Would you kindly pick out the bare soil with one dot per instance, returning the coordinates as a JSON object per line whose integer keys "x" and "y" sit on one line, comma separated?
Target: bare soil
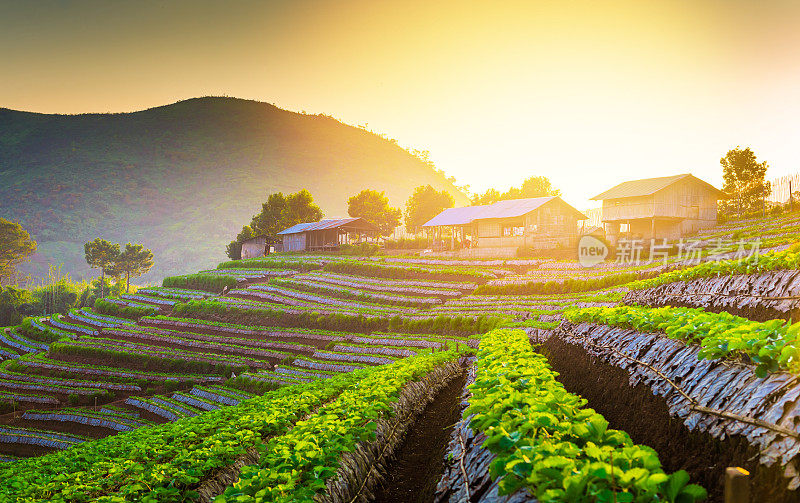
{"x": 418, "y": 464}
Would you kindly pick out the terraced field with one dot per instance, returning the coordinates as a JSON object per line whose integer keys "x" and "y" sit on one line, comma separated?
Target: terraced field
{"x": 331, "y": 378}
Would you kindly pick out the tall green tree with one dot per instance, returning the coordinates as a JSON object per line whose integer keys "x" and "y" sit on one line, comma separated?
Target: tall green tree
{"x": 134, "y": 261}
{"x": 373, "y": 206}
{"x": 535, "y": 186}
{"x": 101, "y": 254}
{"x": 744, "y": 181}
{"x": 424, "y": 204}
{"x": 277, "y": 213}
{"x": 16, "y": 245}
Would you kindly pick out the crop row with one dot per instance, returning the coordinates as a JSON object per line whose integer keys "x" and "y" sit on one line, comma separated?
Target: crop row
{"x": 131, "y": 352}
{"x": 8, "y": 396}
{"x": 85, "y": 417}
{"x": 414, "y": 287}
{"x": 207, "y": 282}
{"x": 171, "y": 458}
{"x": 325, "y": 365}
{"x": 89, "y": 313}
{"x": 299, "y": 373}
{"x": 226, "y": 340}
{"x": 547, "y": 441}
{"x": 6, "y": 374}
{"x": 172, "y": 293}
{"x": 770, "y": 261}
{"x": 297, "y": 263}
{"x": 773, "y": 345}
{"x": 154, "y": 407}
{"x": 38, "y": 363}
{"x": 297, "y": 465}
{"x": 148, "y": 299}
{"x": 352, "y": 357}
{"x": 199, "y": 342}
{"x": 237, "y": 329}
{"x": 567, "y": 285}
{"x": 347, "y": 292}
{"x": 337, "y": 320}
{"x": 36, "y": 329}
{"x": 15, "y": 340}
{"x": 250, "y": 273}
{"x": 30, "y": 436}
{"x": 288, "y": 294}
{"x": 382, "y": 270}
{"x": 195, "y": 401}
{"x": 124, "y": 309}
{"x": 47, "y": 388}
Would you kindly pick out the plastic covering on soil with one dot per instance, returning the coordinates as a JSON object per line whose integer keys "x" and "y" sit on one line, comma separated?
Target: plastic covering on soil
{"x": 760, "y": 297}
{"x": 466, "y": 471}
{"x": 714, "y": 384}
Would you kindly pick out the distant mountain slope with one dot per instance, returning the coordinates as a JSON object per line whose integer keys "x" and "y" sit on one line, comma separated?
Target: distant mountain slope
{"x": 183, "y": 178}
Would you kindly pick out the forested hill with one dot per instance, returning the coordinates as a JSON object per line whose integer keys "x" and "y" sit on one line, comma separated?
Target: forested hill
{"x": 183, "y": 178}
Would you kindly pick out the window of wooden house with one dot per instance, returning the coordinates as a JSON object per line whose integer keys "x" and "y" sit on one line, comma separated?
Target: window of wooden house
{"x": 510, "y": 230}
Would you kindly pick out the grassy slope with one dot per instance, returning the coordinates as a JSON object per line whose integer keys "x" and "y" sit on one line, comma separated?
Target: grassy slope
{"x": 183, "y": 178}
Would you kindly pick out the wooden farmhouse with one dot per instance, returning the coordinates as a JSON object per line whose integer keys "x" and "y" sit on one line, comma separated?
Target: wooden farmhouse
{"x": 500, "y": 229}
{"x": 667, "y": 207}
{"x": 324, "y": 235}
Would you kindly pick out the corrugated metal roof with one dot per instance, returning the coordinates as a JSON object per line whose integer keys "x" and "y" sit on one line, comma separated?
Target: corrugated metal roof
{"x": 330, "y": 223}
{"x": 455, "y": 216}
{"x": 646, "y": 187}
{"x": 502, "y": 209}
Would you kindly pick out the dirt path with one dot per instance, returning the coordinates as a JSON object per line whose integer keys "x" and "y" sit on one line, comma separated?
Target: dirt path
{"x": 419, "y": 462}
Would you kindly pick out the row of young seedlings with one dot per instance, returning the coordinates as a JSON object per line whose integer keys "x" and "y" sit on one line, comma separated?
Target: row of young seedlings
{"x": 86, "y": 417}
{"x": 549, "y": 443}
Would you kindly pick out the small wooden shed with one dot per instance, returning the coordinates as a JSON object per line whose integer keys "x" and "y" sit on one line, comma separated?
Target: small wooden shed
{"x": 259, "y": 246}
{"x": 667, "y": 207}
{"x": 324, "y": 235}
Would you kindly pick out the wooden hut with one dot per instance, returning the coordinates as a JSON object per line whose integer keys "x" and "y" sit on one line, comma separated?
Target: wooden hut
{"x": 259, "y": 246}
{"x": 502, "y": 228}
{"x": 325, "y": 235}
{"x": 667, "y": 207}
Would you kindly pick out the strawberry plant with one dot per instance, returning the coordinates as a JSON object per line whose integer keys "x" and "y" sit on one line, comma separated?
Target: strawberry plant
{"x": 547, "y": 441}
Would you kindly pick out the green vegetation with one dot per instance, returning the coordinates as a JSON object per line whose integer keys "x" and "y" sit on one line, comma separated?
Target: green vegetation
{"x": 277, "y": 213}
{"x": 161, "y": 172}
{"x": 101, "y": 254}
{"x": 425, "y": 203}
{"x": 773, "y": 345}
{"x": 16, "y": 246}
{"x": 745, "y": 185}
{"x": 297, "y": 465}
{"x": 134, "y": 261}
{"x": 547, "y": 441}
{"x": 266, "y": 316}
{"x": 535, "y": 186}
{"x": 213, "y": 283}
{"x": 373, "y": 206}
{"x": 380, "y": 270}
{"x": 567, "y": 285}
{"x": 770, "y": 261}
{"x": 103, "y": 306}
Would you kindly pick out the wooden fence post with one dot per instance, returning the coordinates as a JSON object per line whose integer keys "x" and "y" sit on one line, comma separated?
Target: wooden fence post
{"x": 737, "y": 485}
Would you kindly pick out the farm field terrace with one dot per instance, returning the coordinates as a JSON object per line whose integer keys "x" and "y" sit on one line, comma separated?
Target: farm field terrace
{"x": 318, "y": 377}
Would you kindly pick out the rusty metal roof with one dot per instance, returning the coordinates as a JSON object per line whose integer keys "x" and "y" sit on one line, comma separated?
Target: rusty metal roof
{"x": 510, "y": 208}
{"x": 330, "y": 223}
{"x": 647, "y": 186}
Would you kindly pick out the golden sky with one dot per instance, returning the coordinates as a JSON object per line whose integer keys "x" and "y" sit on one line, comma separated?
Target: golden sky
{"x": 587, "y": 93}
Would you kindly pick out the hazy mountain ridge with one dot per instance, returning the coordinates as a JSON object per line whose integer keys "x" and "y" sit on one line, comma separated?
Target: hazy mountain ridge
{"x": 183, "y": 178}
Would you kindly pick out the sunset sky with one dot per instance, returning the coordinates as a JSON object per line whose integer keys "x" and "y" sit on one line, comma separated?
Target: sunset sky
{"x": 586, "y": 93}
